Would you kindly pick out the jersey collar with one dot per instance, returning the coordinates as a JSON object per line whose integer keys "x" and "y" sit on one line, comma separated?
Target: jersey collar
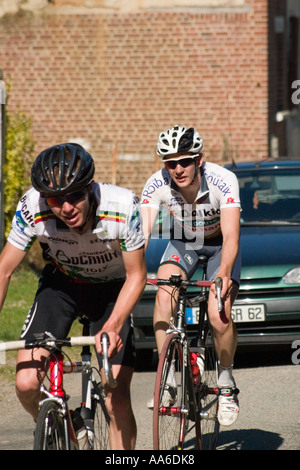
{"x": 203, "y": 192}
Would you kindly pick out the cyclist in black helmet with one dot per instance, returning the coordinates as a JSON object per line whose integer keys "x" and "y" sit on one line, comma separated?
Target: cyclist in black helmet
{"x": 93, "y": 246}
{"x": 203, "y": 200}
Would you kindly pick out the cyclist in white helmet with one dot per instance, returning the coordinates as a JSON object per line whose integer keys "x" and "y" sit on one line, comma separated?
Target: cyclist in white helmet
{"x": 203, "y": 199}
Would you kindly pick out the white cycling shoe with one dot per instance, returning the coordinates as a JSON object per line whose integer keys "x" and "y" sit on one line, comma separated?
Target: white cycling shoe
{"x": 228, "y": 406}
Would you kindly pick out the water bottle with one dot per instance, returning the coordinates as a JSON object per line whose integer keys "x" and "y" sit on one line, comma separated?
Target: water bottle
{"x": 82, "y": 439}
{"x": 195, "y": 368}
{"x": 87, "y": 415}
{"x": 199, "y": 349}
{"x": 201, "y": 359}
{"x": 80, "y": 430}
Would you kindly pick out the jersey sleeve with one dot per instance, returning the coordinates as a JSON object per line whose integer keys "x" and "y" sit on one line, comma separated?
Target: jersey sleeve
{"x": 22, "y": 233}
{"x": 230, "y": 195}
{"x": 153, "y": 192}
{"x": 132, "y": 237}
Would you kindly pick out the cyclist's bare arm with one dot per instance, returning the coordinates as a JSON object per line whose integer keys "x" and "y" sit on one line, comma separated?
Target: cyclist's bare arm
{"x": 230, "y": 228}
{"x": 149, "y": 215}
{"x": 10, "y": 258}
{"x": 136, "y": 277}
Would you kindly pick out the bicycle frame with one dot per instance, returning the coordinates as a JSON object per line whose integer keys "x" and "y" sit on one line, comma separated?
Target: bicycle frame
{"x": 56, "y": 393}
{"x": 201, "y": 343}
{"x": 201, "y": 337}
{"x": 58, "y": 367}
{"x": 179, "y": 327}
{"x": 192, "y": 394}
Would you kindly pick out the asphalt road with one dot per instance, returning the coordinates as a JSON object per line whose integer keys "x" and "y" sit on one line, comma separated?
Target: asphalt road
{"x": 269, "y": 417}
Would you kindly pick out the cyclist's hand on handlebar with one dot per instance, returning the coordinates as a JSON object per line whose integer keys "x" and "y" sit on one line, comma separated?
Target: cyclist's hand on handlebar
{"x": 226, "y": 287}
{"x": 115, "y": 343}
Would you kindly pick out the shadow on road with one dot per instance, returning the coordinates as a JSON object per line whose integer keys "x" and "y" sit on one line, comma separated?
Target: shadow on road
{"x": 249, "y": 439}
{"x": 244, "y": 439}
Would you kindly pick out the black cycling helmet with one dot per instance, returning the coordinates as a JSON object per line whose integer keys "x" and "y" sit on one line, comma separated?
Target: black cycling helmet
{"x": 62, "y": 169}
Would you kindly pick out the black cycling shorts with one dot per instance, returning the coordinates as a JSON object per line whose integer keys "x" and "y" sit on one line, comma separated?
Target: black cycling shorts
{"x": 188, "y": 259}
{"x": 59, "y": 301}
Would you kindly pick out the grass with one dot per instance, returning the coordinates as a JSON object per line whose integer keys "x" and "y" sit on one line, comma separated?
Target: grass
{"x": 19, "y": 298}
{"x": 20, "y": 295}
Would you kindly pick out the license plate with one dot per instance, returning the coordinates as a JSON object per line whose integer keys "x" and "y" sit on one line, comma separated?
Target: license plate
{"x": 240, "y": 314}
{"x": 191, "y": 315}
{"x": 248, "y": 313}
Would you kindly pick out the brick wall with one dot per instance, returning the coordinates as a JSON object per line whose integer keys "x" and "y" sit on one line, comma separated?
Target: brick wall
{"x": 278, "y": 79}
{"x": 116, "y": 80}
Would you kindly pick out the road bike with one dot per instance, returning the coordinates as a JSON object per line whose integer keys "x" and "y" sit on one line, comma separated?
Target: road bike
{"x": 183, "y": 401}
{"x": 57, "y": 426}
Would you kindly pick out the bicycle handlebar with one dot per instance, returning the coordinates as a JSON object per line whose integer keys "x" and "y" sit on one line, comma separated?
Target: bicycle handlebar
{"x": 107, "y": 366}
{"x": 218, "y": 283}
{"x": 176, "y": 281}
{"x": 48, "y": 342}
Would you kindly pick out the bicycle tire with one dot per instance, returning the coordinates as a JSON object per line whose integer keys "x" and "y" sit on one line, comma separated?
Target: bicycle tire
{"x": 170, "y": 423}
{"x": 101, "y": 419}
{"x": 208, "y": 398}
{"x": 49, "y": 432}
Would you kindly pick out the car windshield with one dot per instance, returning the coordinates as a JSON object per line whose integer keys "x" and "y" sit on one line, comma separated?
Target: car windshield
{"x": 270, "y": 196}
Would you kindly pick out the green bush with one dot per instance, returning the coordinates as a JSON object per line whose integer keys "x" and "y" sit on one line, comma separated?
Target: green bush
{"x": 18, "y": 161}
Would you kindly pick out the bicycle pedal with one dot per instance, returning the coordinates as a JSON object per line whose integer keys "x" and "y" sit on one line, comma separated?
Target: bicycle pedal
{"x": 172, "y": 391}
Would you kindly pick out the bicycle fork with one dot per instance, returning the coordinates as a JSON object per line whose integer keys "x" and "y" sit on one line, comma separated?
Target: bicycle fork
{"x": 56, "y": 393}
{"x": 86, "y": 410}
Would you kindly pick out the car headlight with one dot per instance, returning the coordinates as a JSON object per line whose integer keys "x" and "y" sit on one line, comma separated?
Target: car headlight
{"x": 292, "y": 276}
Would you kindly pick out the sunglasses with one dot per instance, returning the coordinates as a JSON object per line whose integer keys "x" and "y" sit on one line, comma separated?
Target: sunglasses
{"x": 72, "y": 198}
{"x": 184, "y": 162}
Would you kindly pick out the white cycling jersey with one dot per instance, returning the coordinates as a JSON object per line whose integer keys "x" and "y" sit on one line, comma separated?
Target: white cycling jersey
{"x": 95, "y": 256}
{"x": 219, "y": 190}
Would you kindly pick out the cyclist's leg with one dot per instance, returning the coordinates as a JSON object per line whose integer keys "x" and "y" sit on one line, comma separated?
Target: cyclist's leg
{"x": 118, "y": 404}
{"x": 30, "y": 370}
{"x": 55, "y": 316}
{"x": 118, "y": 400}
{"x": 225, "y": 340}
{"x": 174, "y": 261}
{"x": 225, "y": 334}
{"x": 165, "y": 303}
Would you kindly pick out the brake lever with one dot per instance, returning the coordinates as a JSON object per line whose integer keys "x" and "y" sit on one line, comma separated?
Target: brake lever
{"x": 218, "y": 282}
{"x": 107, "y": 366}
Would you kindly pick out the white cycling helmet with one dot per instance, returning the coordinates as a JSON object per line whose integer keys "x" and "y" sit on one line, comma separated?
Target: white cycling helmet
{"x": 179, "y": 141}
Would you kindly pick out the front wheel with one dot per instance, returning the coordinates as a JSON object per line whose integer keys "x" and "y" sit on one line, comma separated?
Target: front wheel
{"x": 49, "y": 431}
{"x": 208, "y": 398}
{"x": 171, "y": 400}
{"x": 101, "y": 419}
